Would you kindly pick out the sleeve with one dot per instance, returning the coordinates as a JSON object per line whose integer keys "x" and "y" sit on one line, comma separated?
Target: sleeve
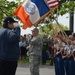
{"x": 17, "y": 30}
{"x": 14, "y": 35}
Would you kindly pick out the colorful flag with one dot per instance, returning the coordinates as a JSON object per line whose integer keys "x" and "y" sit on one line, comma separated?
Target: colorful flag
{"x": 31, "y": 11}
{"x": 52, "y": 3}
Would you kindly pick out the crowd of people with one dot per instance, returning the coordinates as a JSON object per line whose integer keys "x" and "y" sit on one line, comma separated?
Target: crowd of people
{"x": 46, "y": 49}
{"x": 64, "y": 54}
{"x": 60, "y": 50}
{"x": 37, "y": 48}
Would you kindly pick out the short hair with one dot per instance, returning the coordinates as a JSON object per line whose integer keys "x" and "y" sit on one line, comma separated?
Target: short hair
{"x": 59, "y": 33}
{"x": 73, "y": 34}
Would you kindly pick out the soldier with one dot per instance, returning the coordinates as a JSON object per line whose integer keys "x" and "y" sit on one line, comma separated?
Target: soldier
{"x": 22, "y": 45}
{"x": 35, "y": 52}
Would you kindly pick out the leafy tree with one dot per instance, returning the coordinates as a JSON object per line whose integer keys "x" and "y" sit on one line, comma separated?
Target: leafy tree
{"x": 7, "y": 8}
{"x": 67, "y": 7}
{"x": 51, "y": 29}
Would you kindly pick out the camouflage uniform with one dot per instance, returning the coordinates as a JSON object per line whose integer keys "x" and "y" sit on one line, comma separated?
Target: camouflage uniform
{"x": 35, "y": 54}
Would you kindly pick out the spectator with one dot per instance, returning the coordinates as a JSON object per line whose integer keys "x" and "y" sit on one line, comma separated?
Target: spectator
{"x": 44, "y": 49}
{"x": 22, "y": 45}
{"x": 51, "y": 51}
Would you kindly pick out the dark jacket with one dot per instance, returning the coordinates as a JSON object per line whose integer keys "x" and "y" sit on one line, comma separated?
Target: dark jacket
{"x": 9, "y": 44}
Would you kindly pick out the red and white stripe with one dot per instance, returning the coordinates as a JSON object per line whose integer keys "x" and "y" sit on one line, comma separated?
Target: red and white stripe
{"x": 52, "y": 3}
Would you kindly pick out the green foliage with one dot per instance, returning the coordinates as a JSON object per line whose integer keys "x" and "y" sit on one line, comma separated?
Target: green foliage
{"x": 26, "y": 61}
{"x": 51, "y": 29}
{"x": 67, "y": 7}
{"x": 7, "y": 8}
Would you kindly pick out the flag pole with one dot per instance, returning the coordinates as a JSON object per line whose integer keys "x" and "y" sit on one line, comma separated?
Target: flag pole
{"x": 44, "y": 16}
{"x": 23, "y": 2}
{"x": 57, "y": 13}
{"x": 57, "y": 22}
{"x": 54, "y": 31}
{"x": 65, "y": 35}
{"x": 63, "y": 32}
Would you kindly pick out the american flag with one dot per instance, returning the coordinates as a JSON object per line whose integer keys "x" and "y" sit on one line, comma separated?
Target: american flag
{"x": 52, "y": 3}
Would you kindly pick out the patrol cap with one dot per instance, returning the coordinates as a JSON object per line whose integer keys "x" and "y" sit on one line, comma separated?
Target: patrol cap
{"x": 35, "y": 29}
{"x": 9, "y": 19}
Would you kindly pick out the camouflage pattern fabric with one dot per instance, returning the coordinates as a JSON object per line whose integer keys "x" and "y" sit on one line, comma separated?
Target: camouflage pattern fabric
{"x": 35, "y": 51}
